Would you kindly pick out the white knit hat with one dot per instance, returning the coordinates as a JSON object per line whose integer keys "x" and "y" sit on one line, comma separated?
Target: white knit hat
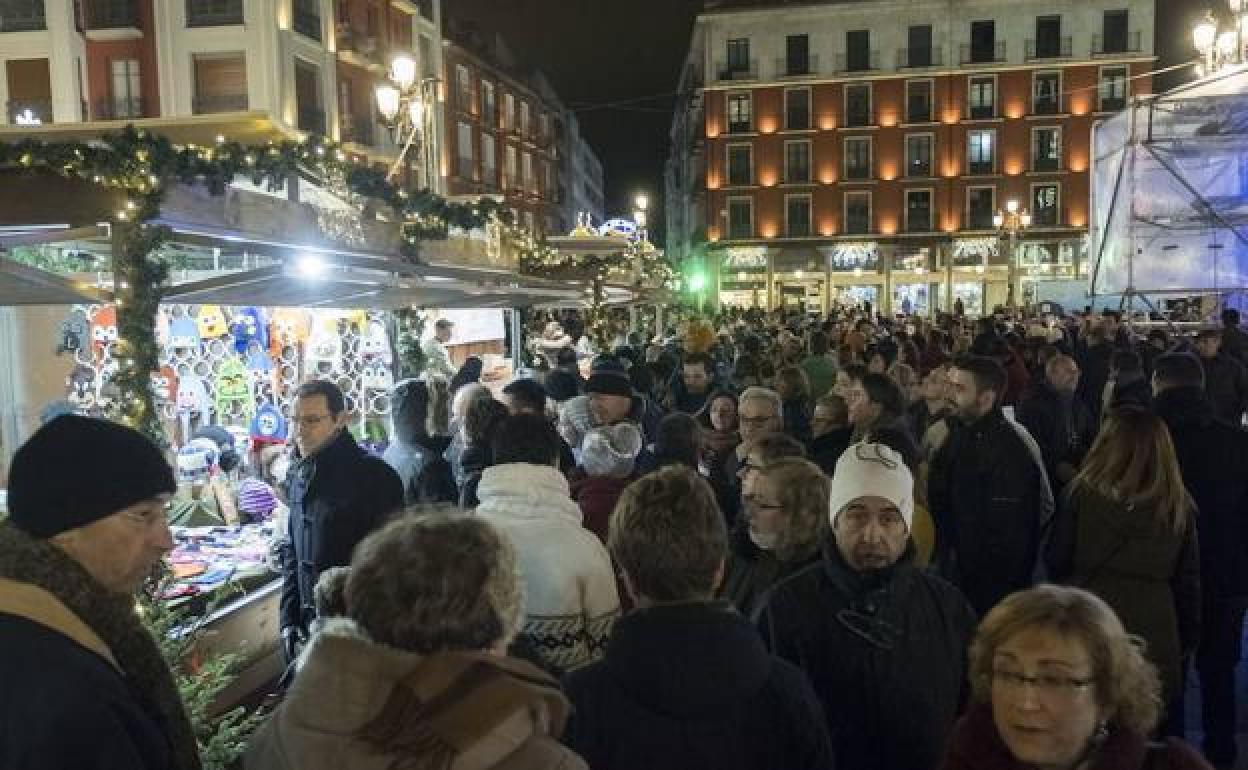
{"x": 611, "y": 450}
{"x": 872, "y": 470}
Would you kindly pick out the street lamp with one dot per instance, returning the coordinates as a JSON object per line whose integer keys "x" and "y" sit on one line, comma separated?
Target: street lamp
{"x": 1010, "y": 223}
{"x": 1221, "y": 47}
{"x": 404, "y": 102}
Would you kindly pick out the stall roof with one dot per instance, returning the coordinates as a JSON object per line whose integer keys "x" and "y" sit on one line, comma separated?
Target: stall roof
{"x": 22, "y": 284}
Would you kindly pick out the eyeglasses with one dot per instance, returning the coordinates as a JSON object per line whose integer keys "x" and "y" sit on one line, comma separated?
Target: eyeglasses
{"x": 311, "y": 420}
{"x": 1052, "y": 686}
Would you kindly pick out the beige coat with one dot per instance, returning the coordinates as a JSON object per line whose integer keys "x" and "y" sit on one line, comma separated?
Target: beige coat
{"x": 347, "y": 683}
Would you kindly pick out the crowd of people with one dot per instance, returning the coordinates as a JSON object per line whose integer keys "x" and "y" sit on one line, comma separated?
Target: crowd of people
{"x": 763, "y": 540}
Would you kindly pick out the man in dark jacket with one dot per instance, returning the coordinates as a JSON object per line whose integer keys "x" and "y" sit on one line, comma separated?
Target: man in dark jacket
{"x": 416, "y": 456}
{"x": 337, "y": 494}
{"x": 686, "y": 681}
{"x": 883, "y": 642}
{"x": 830, "y": 431}
{"x": 1059, "y": 422}
{"x": 1094, "y": 360}
{"x": 1128, "y": 384}
{"x": 1226, "y": 380}
{"x": 988, "y": 493}
{"x": 1213, "y": 457}
{"x": 82, "y": 682}
{"x": 693, "y": 383}
{"x": 612, "y": 400}
{"x": 1234, "y": 341}
{"x": 528, "y": 396}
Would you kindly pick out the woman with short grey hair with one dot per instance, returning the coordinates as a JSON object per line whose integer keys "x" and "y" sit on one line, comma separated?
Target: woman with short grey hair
{"x": 416, "y": 675}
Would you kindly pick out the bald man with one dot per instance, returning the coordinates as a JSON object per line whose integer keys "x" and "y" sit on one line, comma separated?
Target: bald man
{"x": 1061, "y": 423}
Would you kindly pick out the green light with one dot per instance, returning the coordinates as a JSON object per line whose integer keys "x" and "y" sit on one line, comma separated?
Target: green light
{"x": 697, "y": 282}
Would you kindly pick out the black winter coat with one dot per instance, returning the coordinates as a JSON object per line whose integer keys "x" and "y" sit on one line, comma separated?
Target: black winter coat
{"x": 752, "y": 571}
{"x": 691, "y": 686}
{"x": 336, "y": 497}
{"x": 984, "y": 492}
{"x": 885, "y": 651}
{"x": 828, "y": 448}
{"x": 1065, "y": 432}
{"x": 1094, "y": 363}
{"x": 1136, "y": 394}
{"x": 1213, "y": 456}
{"x": 1226, "y": 383}
{"x": 66, "y": 708}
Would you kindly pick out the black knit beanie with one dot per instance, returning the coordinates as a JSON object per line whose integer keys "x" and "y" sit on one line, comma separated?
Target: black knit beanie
{"x": 76, "y": 470}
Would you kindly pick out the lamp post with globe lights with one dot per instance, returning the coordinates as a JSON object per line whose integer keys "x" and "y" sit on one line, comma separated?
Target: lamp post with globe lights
{"x": 1010, "y": 223}
{"x": 406, "y": 104}
{"x": 1220, "y": 46}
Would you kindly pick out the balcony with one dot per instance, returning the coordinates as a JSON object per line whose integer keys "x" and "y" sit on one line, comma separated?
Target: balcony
{"x": 354, "y": 129}
{"x": 214, "y": 13}
{"x": 1050, "y": 48}
{"x": 982, "y": 54}
{"x": 1113, "y": 103}
{"x": 1108, "y": 45}
{"x": 362, "y": 51}
{"x": 214, "y": 103}
{"x": 121, "y": 108}
{"x": 22, "y": 16}
{"x": 866, "y": 61}
{"x": 1045, "y": 163}
{"x": 796, "y": 68}
{"x": 1048, "y": 105}
{"x": 914, "y": 58}
{"x": 307, "y": 23}
{"x": 115, "y": 14}
{"x": 312, "y": 120}
{"x": 28, "y": 111}
{"x": 738, "y": 71}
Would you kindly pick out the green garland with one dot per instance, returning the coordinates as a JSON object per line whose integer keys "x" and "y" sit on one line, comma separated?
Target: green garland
{"x": 411, "y": 354}
{"x": 143, "y": 165}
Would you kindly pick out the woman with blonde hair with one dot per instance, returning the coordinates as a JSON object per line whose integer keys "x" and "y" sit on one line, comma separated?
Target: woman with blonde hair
{"x": 787, "y": 524}
{"x": 1058, "y": 683}
{"x": 1125, "y": 531}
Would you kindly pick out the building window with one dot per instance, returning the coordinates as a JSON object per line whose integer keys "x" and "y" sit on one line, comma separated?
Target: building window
{"x": 797, "y": 216}
{"x": 983, "y": 49}
{"x": 466, "y": 168}
{"x": 740, "y": 164}
{"x": 510, "y": 168}
{"x": 310, "y": 114}
{"x": 919, "y": 101}
{"x": 1046, "y": 149}
{"x": 1114, "y": 31}
{"x": 918, "y": 211}
{"x": 1046, "y": 93}
{"x": 527, "y": 179}
{"x": 220, "y": 83}
{"x": 919, "y": 155}
{"x": 428, "y": 65}
{"x": 526, "y": 122}
{"x": 1113, "y": 89}
{"x": 22, "y": 16}
{"x": 797, "y": 162}
{"x": 858, "y": 157}
{"x": 919, "y": 52}
{"x": 307, "y": 18}
{"x": 858, "y": 50}
{"x": 857, "y": 213}
{"x": 489, "y": 160}
{"x": 983, "y": 97}
{"x": 981, "y": 152}
{"x": 489, "y": 107}
{"x": 509, "y": 112}
{"x": 543, "y": 127}
{"x": 463, "y": 83}
{"x": 858, "y": 105}
{"x": 212, "y": 13}
{"x": 797, "y": 55}
{"x": 1045, "y": 199}
{"x": 740, "y": 113}
{"x": 797, "y": 109}
{"x": 740, "y": 218}
{"x": 1048, "y": 43}
{"x": 127, "y": 90}
{"x": 738, "y": 56}
{"x": 981, "y": 204}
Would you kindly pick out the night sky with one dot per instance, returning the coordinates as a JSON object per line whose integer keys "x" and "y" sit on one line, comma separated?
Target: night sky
{"x": 597, "y": 52}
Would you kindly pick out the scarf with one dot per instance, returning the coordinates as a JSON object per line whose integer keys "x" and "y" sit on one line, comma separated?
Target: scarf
{"x": 36, "y": 562}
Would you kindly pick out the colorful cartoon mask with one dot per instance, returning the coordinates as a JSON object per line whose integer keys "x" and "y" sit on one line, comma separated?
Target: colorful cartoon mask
{"x": 74, "y": 332}
{"x": 375, "y": 341}
{"x": 234, "y": 387}
{"x": 165, "y": 385}
{"x": 376, "y": 376}
{"x": 268, "y": 426}
{"x": 196, "y": 460}
{"x": 211, "y": 322}
{"x": 183, "y": 333}
{"x": 193, "y": 396}
{"x": 288, "y": 327}
{"x": 324, "y": 352}
{"x": 80, "y": 387}
{"x": 248, "y": 327}
{"x": 104, "y": 328}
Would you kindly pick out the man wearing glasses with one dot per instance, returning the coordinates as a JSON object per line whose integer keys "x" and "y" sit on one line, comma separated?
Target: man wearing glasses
{"x": 883, "y": 642}
{"x": 337, "y": 494}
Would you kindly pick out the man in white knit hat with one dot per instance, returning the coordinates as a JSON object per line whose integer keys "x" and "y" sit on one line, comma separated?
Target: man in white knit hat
{"x": 883, "y": 642}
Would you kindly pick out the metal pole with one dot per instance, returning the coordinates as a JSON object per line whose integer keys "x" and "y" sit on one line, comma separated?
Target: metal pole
{"x": 517, "y": 341}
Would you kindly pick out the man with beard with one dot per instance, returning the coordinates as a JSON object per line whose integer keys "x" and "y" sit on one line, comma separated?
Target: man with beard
{"x": 883, "y": 642}
{"x": 1058, "y": 420}
{"x": 696, "y": 382}
{"x": 988, "y": 491}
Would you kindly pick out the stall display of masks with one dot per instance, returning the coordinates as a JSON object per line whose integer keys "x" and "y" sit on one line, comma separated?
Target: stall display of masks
{"x": 225, "y": 365}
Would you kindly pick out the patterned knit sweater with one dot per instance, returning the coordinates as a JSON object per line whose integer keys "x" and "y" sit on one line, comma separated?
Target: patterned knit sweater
{"x": 570, "y": 592}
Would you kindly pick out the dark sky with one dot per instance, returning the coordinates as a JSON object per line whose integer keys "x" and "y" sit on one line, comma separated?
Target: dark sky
{"x": 602, "y": 51}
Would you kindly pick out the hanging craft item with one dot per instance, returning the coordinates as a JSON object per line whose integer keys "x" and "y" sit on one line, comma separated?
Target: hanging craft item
{"x": 375, "y": 375}
{"x": 234, "y": 388}
{"x": 80, "y": 388}
{"x": 268, "y": 427}
{"x": 246, "y": 327}
{"x": 183, "y": 333}
{"x": 196, "y": 461}
{"x": 165, "y": 386}
{"x": 376, "y": 342}
{"x": 74, "y": 332}
{"x": 324, "y": 352}
{"x": 104, "y": 329}
{"x": 288, "y": 328}
{"x": 192, "y": 401}
{"x": 211, "y": 322}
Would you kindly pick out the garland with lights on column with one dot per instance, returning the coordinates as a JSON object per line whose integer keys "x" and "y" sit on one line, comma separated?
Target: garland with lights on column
{"x": 411, "y": 355}
{"x": 140, "y": 165}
